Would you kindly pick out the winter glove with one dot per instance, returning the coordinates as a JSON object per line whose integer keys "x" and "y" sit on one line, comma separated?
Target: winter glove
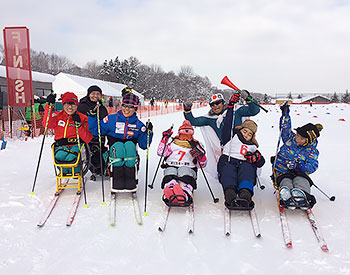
{"x": 76, "y": 119}
{"x": 284, "y": 108}
{"x": 197, "y": 153}
{"x": 92, "y": 112}
{"x": 292, "y": 165}
{"x": 187, "y": 106}
{"x": 51, "y": 98}
{"x": 253, "y": 157}
{"x": 149, "y": 127}
{"x": 233, "y": 100}
{"x": 166, "y": 134}
{"x": 245, "y": 95}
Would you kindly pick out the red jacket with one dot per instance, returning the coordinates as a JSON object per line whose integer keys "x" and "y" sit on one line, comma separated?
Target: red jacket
{"x": 64, "y": 126}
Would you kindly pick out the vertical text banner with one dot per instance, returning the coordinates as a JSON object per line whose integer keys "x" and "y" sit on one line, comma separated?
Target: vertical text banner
{"x": 18, "y": 68}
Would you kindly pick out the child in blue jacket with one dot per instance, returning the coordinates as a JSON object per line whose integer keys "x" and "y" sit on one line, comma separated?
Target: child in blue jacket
{"x": 296, "y": 159}
{"x": 124, "y": 131}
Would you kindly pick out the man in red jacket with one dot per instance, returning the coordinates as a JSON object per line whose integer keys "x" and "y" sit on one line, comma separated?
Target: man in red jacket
{"x": 69, "y": 125}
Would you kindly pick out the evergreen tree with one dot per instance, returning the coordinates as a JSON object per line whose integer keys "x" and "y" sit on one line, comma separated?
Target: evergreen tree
{"x": 346, "y": 97}
{"x": 335, "y": 98}
{"x": 266, "y": 99}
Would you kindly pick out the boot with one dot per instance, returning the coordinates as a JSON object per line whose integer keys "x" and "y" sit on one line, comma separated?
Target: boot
{"x": 286, "y": 199}
{"x": 299, "y": 197}
{"x": 230, "y": 197}
{"x": 179, "y": 192}
{"x": 245, "y": 195}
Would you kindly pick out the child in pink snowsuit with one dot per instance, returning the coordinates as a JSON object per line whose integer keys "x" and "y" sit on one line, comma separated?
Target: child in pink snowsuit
{"x": 182, "y": 157}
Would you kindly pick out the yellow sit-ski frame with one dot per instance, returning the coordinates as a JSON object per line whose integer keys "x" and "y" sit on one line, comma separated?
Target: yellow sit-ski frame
{"x": 74, "y": 175}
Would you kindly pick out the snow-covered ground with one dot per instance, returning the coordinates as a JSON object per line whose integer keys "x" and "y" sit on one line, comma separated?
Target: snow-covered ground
{"x": 92, "y": 246}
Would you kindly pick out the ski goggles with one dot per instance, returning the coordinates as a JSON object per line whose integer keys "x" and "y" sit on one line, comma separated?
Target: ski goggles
{"x": 216, "y": 103}
{"x": 128, "y": 106}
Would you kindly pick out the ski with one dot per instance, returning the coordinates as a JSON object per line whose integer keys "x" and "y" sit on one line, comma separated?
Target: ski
{"x": 49, "y": 209}
{"x": 164, "y": 218}
{"x": 316, "y": 230}
{"x": 137, "y": 210}
{"x": 227, "y": 222}
{"x": 74, "y": 209}
{"x": 255, "y": 223}
{"x": 113, "y": 209}
{"x": 253, "y": 219}
{"x": 190, "y": 214}
{"x": 190, "y": 218}
{"x": 284, "y": 225}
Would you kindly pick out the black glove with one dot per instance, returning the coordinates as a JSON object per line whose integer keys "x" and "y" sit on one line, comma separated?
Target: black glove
{"x": 187, "y": 106}
{"x": 196, "y": 153}
{"x": 51, "y": 98}
{"x": 76, "y": 119}
{"x": 245, "y": 94}
{"x": 253, "y": 157}
{"x": 233, "y": 100}
{"x": 284, "y": 107}
{"x": 149, "y": 126}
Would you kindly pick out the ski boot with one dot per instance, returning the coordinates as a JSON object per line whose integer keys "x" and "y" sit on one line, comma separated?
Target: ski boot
{"x": 230, "y": 198}
{"x": 300, "y": 199}
{"x": 286, "y": 199}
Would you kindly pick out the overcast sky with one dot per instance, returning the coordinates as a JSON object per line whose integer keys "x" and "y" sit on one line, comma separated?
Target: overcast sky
{"x": 264, "y": 46}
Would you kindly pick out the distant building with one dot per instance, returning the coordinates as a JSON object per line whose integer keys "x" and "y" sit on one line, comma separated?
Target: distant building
{"x": 316, "y": 99}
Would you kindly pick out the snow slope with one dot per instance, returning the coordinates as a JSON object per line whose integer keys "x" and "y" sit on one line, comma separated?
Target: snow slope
{"x": 91, "y": 246}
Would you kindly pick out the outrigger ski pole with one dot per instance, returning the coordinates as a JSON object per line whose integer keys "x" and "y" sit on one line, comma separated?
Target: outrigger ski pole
{"x": 41, "y": 149}
{"x": 100, "y": 144}
{"x": 146, "y": 180}
{"x": 206, "y": 180}
{"x": 81, "y": 166}
{"x": 160, "y": 160}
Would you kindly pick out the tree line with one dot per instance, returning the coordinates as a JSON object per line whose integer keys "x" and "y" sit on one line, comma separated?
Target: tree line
{"x": 150, "y": 80}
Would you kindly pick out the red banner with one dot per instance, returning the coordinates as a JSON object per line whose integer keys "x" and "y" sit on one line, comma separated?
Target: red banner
{"x": 18, "y": 68}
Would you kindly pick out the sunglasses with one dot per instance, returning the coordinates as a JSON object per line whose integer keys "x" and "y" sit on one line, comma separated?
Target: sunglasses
{"x": 215, "y": 103}
{"x": 128, "y": 106}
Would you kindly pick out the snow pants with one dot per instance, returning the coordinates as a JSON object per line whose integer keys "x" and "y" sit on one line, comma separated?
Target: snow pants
{"x": 184, "y": 174}
{"x": 297, "y": 182}
{"x": 95, "y": 166}
{"x": 67, "y": 154}
{"x": 236, "y": 174}
{"x": 123, "y": 159}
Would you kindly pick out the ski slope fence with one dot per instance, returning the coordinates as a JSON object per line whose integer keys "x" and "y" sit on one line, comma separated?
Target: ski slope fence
{"x": 13, "y": 122}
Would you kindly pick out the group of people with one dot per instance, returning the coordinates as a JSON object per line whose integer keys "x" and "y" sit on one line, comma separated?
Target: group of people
{"x": 231, "y": 147}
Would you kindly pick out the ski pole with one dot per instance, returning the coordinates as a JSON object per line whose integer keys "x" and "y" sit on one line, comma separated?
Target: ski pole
{"x": 81, "y": 165}
{"x": 146, "y": 180}
{"x": 41, "y": 149}
{"x": 160, "y": 160}
{"x": 100, "y": 144}
{"x": 261, "y": 186}
{"x": 205, "y": 177}
{"x": 319, "y": 189}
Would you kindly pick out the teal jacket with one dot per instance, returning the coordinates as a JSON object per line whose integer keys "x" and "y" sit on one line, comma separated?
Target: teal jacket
{"x": 216, "y": 121}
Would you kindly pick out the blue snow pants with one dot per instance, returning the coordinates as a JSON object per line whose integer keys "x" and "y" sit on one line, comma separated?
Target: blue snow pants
{"x": 236, "y": 173}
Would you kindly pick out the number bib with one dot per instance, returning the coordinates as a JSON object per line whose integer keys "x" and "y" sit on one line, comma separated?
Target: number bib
{"x": 238, "y": 148}
{"x": 180, "y": 156}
